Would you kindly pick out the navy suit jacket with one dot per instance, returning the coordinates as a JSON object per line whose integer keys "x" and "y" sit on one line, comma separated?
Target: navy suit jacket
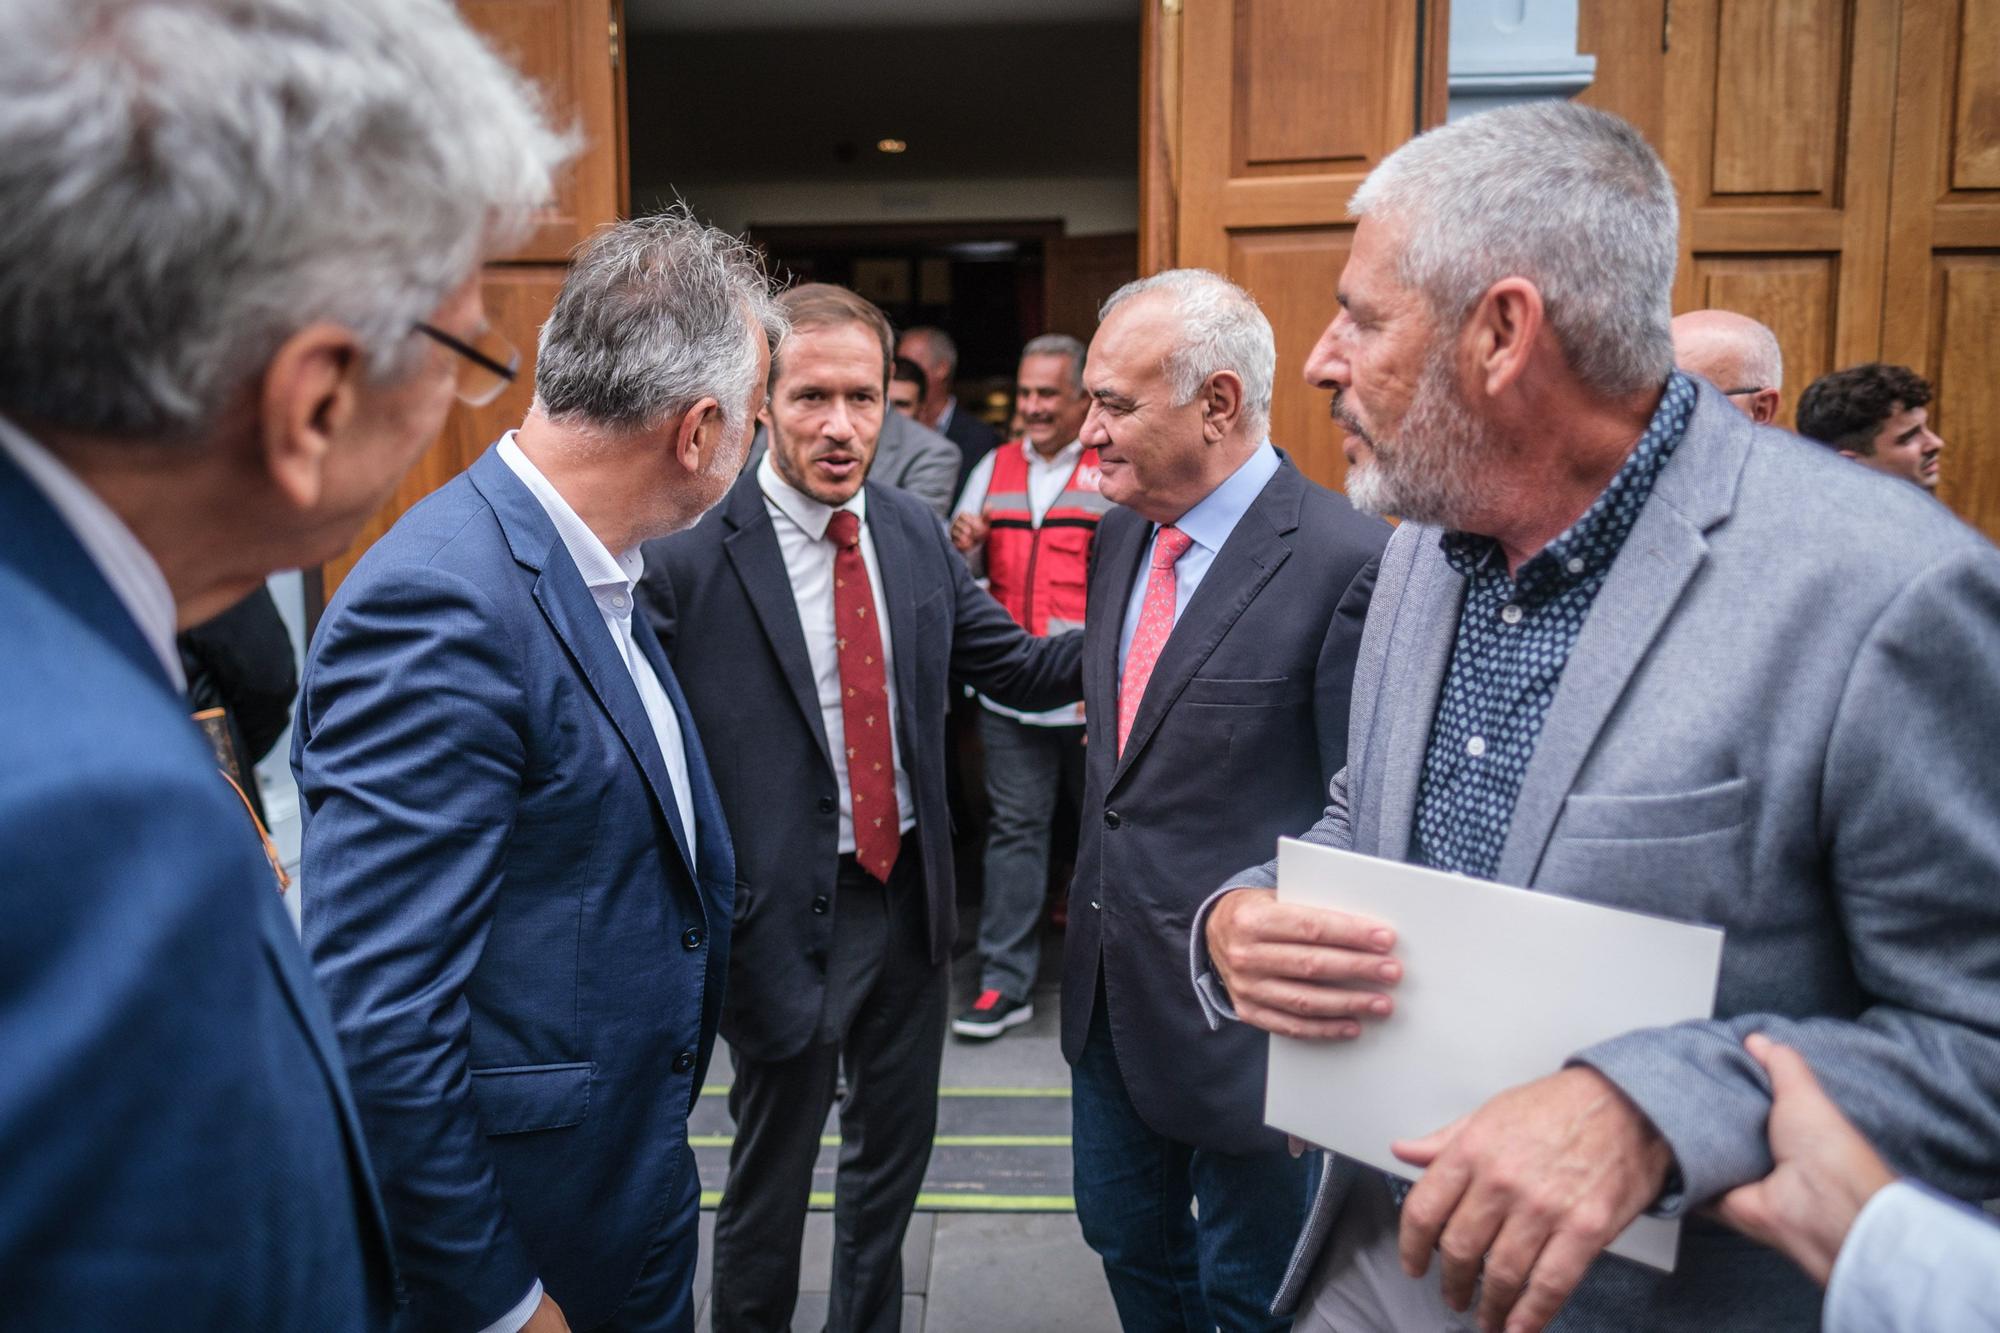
{"x": 1243, "y": 722}
{"x": 524, "y": 968}
{"x": 722, "y": 601}
{"x": 177, "y": 1144}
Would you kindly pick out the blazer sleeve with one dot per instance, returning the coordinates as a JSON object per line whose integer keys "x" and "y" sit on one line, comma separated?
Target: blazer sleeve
{"x": 994, "y": 655}
{"x": 932, "y": 476}
{"x": 410, "y": 759}
{"x": 1911, "y": 853}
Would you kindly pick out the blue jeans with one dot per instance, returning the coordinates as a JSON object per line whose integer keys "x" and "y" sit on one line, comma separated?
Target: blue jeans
{"x": 1172, "y": 1271}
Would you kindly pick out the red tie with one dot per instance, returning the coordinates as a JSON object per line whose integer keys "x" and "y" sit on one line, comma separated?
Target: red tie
{"x": 1156, "y": 622}
{"x": 864, "y": 703}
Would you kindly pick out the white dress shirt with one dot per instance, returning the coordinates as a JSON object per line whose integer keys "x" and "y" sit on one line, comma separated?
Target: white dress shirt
{"x": 1047, "y": 477}
{"x": 611, "y": 580}
{"x": 125, "y": 564}
{"x": 1914, "y": 1262}
{"x": 800, "y": 522}
{"x": 1208, "y": 526}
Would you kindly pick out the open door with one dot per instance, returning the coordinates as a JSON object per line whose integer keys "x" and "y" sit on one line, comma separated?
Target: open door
{"x": 1259, "y": 120}
{"x": 571, "y": 48}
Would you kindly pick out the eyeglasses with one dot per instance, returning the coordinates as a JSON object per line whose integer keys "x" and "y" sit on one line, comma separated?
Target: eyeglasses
{"x": 1733, "y": 393}
{"x": 487, "y": 364}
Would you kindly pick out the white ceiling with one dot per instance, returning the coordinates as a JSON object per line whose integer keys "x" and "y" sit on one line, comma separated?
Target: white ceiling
{"x": 737, "y": 15}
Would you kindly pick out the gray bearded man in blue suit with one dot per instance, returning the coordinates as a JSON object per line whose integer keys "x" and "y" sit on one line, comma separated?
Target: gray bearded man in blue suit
{"x": 219, "y": 352}
{"x": 517, "y": 875}
{"x": 1632, "y": 648}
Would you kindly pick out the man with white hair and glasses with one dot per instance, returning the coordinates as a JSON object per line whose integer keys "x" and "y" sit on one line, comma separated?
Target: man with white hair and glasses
{"x": 1737, "y": 355}
{"x": 518, "y": 875}
{"x": 1632, "y": 648}
{"x": 225, "y": 232}
{"x": 1226, "y": 599}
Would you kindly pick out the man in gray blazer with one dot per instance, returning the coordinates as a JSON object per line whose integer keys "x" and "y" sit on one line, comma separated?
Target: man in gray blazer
{"x": 1629, "y": 647}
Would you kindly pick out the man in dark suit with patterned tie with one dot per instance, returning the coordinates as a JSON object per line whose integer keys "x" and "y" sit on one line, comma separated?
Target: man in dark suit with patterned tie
{"x": 1226, "y": 603}
{"x": 816, "y": 624}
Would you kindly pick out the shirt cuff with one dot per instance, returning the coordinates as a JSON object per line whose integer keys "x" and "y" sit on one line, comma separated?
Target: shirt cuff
{"x": 1208, "y": 988}
{"x": 512, "y": 1321}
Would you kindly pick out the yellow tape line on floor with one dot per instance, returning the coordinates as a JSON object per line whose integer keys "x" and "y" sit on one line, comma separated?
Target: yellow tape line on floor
{"x": 722, "y": 1090}
{"x": 994, "y": 1203}
{"x": 941, "y": 1141}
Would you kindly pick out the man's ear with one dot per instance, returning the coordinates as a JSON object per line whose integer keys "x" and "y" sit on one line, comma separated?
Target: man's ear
{"x": 1502, "y": 331}
{"x": 1221, "y": 404}
{"x": 1764, "y": 406}
{"x": 699, "y": 434}
{"x": 1849, "y": 453}
{"x": 310, "y": 394}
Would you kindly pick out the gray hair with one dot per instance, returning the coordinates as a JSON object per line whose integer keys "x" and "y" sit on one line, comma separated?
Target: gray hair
{"x": 937, "y": 344}
{"x": 1060, "y": 344}
{"x": 651, "y": 321}
{"x": 1570, "y": 198}
{"x": 184, "y": 184}
{"x": 1222, "y": 328}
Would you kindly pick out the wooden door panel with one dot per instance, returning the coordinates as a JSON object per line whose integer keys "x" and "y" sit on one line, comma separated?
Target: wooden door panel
{"x": 1975, "y": 155}
{"x": 1966, "y": 408}
{"x": 1796, "y": 296}
{"x": 1279, "y": 109}
{"x": 518, "y": 300}
{"x": 566, "y": 47}
{"x": 1305, "y": 267}
{"x": 1778, "y": 86}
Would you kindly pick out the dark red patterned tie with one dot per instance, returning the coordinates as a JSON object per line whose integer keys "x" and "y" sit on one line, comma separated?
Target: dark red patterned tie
{"x": 864, "y": 703}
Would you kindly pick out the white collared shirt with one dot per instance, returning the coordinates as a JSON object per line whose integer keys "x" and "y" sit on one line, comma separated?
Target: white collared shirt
{"x": 126, "y": 565}
{"x": 611, "y": 580}
{"x": 800, "y": 522}
{"x": 1047, "y": 478}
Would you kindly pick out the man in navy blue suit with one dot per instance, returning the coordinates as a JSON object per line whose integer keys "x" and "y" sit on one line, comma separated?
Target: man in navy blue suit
{"x": 218, "y": 353}
{"x": 517, "y": 876}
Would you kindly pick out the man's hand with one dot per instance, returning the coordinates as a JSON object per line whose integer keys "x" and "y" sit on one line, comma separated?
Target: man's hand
{"x": 1535, "y": 1184}
{"x": 968, "y": 531}
{"x": 1825, "y": 1169}
{"x": 1300, "y": 971}
{"x": 547, "y": 1318}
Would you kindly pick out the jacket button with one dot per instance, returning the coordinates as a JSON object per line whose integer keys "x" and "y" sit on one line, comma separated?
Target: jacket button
{"x": 684, "y": 1062}
{"x": 826, "y": 805}
{"x": 692, "y": 940}
{"x": 820, "y": 905}
{"x": 1111, "y": 819}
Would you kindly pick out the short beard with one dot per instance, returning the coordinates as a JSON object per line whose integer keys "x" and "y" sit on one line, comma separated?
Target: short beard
{"x": 1433, "y": 468}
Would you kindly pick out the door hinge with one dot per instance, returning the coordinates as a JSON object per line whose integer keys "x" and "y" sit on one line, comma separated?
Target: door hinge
{"x": 614, "y": 43}
{"x": 1171, "y": 8}
{"x": 1667, "y": 26}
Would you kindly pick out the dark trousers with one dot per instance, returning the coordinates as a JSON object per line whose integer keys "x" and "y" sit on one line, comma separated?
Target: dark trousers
{"x": 662, "y": 1300}
{"x": 883, "y": 1022}
{"x": 1170, "y": 1270}
{"x": 1027, "y": 768}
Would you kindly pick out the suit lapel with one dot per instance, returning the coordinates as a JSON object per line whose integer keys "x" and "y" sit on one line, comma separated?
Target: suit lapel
{"x": 572, "y": 613}
{"x": 1660, "y": 558}
{"x": 715, "y": 854}
{"x": 893, "y": 555}
{"x": 1246, "y": 562}
{"x": 753, "y": 553}
{"x": 1421, "y": 642}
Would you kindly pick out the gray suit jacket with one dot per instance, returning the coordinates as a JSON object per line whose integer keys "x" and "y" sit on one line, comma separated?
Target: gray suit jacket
{"x": 1779, "y": 718}
{"x": 909, "y": 456}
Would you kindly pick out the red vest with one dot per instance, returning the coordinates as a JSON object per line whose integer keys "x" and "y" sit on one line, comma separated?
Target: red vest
{"x": 1038, "y": 571}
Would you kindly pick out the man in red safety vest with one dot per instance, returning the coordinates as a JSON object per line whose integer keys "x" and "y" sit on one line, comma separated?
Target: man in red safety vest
{"x": 1029, "y": 510}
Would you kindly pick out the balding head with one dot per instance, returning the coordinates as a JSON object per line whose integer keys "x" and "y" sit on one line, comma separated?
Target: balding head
{"x": 1734, "y": 353}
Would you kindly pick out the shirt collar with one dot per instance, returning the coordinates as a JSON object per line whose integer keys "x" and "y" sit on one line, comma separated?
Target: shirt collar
{"x": 123, "y": 560}
{"x": 1211, "y": 521}
{"x": 1588, "y": 546}
{"x": 593, "y": 560}
{"x": 1065, "y": 456}
{"x": 811, "y": 515}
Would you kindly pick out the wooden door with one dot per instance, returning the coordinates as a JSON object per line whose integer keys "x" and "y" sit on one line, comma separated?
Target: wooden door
{"x": 571, "y": 49}
{"x": 1262, "y": 116}
{"x": 1942, "y": 312}
{"x": 1778, "y": 126}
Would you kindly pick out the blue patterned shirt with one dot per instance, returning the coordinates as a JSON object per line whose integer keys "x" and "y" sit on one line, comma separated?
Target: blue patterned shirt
{"x": 1514, "y": 638}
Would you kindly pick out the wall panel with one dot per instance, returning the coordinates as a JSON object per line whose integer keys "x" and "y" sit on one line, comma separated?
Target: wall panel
{"x": 1304, "y": 265}
{"x": 1966, "y": 409}
{"x": 1778, "y": 92}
